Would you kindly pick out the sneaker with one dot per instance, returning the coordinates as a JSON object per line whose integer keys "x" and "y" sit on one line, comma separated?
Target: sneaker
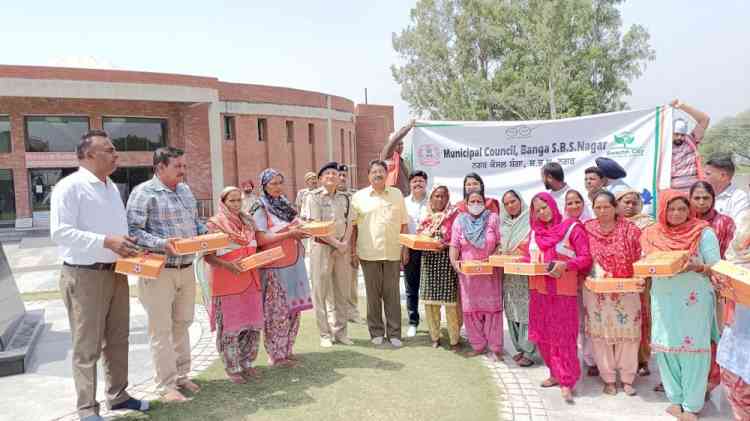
{"x": 345, "y": 340}
{"x": 325, "y": 343}
{"x": 395, "y": 342}
{"x": 132, "y": 404}
{"x": 411, "y": 331}
{"x": 378, "y": 340}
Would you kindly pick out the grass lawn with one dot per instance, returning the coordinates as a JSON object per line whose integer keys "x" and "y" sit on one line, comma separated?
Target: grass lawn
{"x": 359, "y": 382}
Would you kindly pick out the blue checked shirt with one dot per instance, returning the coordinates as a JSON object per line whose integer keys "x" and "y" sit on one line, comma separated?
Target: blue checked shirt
{"x": 156, "y": 213}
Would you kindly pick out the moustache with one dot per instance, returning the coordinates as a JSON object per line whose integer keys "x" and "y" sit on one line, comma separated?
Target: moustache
{"x": 377, "y": 177}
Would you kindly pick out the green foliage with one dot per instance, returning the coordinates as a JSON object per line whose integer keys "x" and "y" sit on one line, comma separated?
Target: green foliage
{"x": 731, "y": 134}
{"x": 517, "y": 60}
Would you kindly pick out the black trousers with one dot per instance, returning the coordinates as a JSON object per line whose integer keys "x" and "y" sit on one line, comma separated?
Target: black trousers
{"x": 412, "y": 273}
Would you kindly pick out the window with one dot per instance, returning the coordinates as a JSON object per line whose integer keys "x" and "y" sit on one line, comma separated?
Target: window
{"x": 7, "y": 198}
{"x": 289, "y": 131}
{"x": 127, "y": 178}
{"x": 262, "y": 130}
{"x": 228, "y": 127}
{"x": 4, "y": 135}
{"x": 42, "y": 181}
{"x": 54, "y": 134}
{"x": 311, "y": 133}
{"x": 135, "y": 133}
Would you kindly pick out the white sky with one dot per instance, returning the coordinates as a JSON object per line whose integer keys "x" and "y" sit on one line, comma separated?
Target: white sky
{"x": 702, "y": 48}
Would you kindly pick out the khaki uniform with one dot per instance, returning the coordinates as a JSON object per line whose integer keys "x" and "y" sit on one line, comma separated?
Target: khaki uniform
{"x": 330, "y": 269}
{"x": 353, "y": 298}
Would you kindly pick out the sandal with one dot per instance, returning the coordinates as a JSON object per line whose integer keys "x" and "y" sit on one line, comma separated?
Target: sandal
{"x": 252, "y": 373}
{"x": 593, "y": 371}
{"x": 518, "y": 357}
{"x": 436, "y": 344}
{"x": 659, "y": 388}
{"x": 567, "y": 394}
{"x": 628, "y": 389}
{"x": 236, "y": 378}
{"x": 550, "y": 382}
{"x": 456, "y": 348}
{"x": 610, "y": 389}
{"x": 674, "y": 410}
{"x": 525, "y": 362}
{"x": 644, "y": 371}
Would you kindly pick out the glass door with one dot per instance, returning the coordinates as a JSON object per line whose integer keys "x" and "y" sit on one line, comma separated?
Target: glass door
{"x": 7, "y": 198}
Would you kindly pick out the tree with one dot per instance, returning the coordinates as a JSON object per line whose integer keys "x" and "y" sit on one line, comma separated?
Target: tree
{"x": 731, "y": 134}
{"x": 517, "y": 60}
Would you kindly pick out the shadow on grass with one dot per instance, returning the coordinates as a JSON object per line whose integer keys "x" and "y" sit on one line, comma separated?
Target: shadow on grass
{"x": 279, "y": 388}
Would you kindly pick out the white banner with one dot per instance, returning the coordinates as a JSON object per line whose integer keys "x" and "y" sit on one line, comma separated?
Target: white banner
{"x": 510, "y": 154}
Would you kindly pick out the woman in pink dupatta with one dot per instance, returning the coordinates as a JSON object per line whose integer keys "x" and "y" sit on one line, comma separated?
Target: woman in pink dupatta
{"x": 553, "y": 317}
{"x": 702, "y": 199}
{"x": 475, "y": 237}
{"x": 236, "y": 306}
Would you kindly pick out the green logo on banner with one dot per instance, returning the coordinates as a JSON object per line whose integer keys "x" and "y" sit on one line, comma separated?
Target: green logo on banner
{"x": 624, "y": 139}
{"x": 623, "y": 146}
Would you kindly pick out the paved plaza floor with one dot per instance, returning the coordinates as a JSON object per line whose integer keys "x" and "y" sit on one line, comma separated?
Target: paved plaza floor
{"x": 46, "y": 392}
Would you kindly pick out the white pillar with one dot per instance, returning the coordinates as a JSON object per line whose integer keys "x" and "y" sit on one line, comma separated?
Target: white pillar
{"x": 217, "y": 153}
{"x": 329, "y": 129}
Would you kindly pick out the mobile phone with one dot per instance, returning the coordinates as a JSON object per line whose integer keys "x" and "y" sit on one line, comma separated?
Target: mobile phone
{"x": 550, "y": 266}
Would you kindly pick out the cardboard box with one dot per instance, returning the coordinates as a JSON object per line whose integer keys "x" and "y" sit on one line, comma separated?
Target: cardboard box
{"x": 147, "y": 265}
{"x": 612, "y": 285}
{"x": 206, "y": 242}
{"x": 660, "y": 263}
{"x": 262, "y": 258}
{"x": 318, "y": 228}
{"x": 475, "y": 267}
{"x": 528, "y": 269}
{"x": 419, "y": 242}
{"x": 500, "y": 260}
{"x": 740, "y": 281}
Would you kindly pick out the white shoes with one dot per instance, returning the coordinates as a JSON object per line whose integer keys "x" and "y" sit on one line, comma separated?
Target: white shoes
{"x": 411, "y": 331}
{"x": 395, "y": 342}
{"x": 325, "y": 343}
{"x": 345, "y": 340}
{"x": 378, "y": 340}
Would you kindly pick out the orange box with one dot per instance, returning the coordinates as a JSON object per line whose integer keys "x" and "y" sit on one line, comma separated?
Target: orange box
{"x": 206, "y": 242}
{"x": 740, "y": 281}
{"x": 262, "y": 258}
{"x": 476, "y": 267}
{"x": 419, "y": 242}
{"x": 500, "y": 260}
{"x": 318, "y": 228}
{"x": 660, "y": 263}
{"x": 610, "y": 285}
{"x": 528, "y": 269}
{"x": 146, "y": 265}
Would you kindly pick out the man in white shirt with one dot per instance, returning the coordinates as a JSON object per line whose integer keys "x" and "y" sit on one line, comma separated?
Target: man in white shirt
{"x": 88, "y": 223}
{"x": 553, "y": 178}
{"x": 416, "y": 203}
{"x": 730, "y": 200}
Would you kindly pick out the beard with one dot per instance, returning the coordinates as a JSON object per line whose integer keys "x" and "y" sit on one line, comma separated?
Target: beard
{"x": 547, "y": 185}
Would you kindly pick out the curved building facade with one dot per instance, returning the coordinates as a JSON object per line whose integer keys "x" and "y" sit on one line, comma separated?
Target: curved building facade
{"x": 229, "y": 131}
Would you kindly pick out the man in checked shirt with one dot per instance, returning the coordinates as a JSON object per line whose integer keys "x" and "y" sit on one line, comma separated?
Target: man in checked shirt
{"x": 160, "y": 211}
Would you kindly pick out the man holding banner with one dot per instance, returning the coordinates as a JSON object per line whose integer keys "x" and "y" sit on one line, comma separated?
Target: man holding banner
{"x": 398, "y": 169}
{"x": 686, "y": 161}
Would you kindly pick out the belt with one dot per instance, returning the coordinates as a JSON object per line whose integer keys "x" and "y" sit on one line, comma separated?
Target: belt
{"x": 94, "y": 266}
{"x": 180, "y": 266}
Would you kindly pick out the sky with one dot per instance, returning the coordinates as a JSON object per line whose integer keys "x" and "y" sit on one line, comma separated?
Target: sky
{"x": 341, "y": 48}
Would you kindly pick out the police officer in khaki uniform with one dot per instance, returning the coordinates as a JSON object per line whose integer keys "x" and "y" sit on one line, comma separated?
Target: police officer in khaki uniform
{"x": 330, "y": 257}
{"x": 353, "y": 297}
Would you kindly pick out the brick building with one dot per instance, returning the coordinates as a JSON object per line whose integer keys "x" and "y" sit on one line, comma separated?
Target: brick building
{"x": 230, "y": 131}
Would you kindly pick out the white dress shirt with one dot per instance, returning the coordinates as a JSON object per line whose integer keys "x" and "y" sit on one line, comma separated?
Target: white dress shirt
{"x": 415, "y": 209}
{"x": 83, "y": 211}
{"x": 732, "y": 202}
{"x": 559, "y": 197}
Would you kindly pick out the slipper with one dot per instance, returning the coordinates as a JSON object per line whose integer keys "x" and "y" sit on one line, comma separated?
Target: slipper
{"x": 550, "y": 382}
{"x": 518, "y": 357}
{"x": 525, "y": 362}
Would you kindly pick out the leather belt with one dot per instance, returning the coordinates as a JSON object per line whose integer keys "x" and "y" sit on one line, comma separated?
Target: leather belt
{"x": 182, "y": 266}
{"x": 94, "y": 266}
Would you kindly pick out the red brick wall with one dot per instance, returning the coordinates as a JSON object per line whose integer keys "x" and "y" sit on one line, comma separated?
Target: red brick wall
{"x": 100, "y": 75}
{"x": 280, "y": 95}
{"x": 374, "y": 124}
{"x": 194, "y": 121}
{"x": 17, "y": 108}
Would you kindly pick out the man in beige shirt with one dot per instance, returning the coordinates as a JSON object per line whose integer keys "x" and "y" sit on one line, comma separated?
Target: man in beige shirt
{"x": 330, "y": 267}
{"x": 379, "y": 217}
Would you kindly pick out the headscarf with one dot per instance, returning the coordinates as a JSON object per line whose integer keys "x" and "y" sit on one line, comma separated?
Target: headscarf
{"x": 438, "y": 224}
{"x": 236, "y": 225}
{"x": 663, "y": 237}
{"x": 513, "y": 231}
{"x": 640, "y": 219}
{"x": 277, "y": 206}
{"x": 617, "y": 250}
{"x": 548, "y": 235}
{"x": 723, "y": 225}
{"x": 474, "y": 228}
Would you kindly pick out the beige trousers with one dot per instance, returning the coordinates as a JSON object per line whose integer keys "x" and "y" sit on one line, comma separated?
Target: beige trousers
{"x": 383, "y": 295}
{"x": 432, "y": 314}
{"x": 330, "y": 271}
{"x": 98, "y": 305}
{"x": 170, "y": 304}
{"x": 622, "y": 356}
